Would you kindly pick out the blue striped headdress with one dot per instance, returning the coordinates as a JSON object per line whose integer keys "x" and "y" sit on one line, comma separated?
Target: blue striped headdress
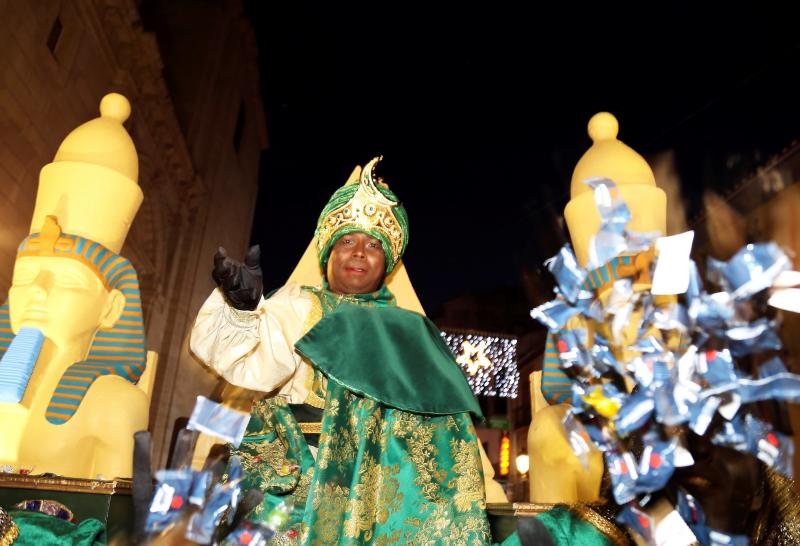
{"x": 556, "y": 385}
{"x": 119, "y": 350}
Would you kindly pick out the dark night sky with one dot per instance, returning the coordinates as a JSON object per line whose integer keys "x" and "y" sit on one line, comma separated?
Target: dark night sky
{"x": 481, "y": 116}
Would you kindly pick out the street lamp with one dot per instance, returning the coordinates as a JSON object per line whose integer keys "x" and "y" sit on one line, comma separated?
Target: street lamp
{"x": 523, "y": 464}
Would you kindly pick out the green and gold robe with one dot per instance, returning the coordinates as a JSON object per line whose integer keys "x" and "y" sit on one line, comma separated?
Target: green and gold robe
{"x": 397, "y": 459}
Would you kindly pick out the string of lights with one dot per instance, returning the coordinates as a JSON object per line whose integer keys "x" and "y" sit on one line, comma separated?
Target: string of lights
{"x": 489, "y": 360}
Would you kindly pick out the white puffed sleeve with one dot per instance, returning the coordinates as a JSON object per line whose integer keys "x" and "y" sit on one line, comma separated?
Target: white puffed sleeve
{"x": 252, "y": 349}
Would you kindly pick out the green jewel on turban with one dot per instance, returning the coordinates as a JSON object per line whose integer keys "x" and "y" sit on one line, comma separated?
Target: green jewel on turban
{"x": 366, "y": 207}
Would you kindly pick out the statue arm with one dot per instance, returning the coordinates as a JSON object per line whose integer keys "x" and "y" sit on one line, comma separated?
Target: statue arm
{"x": 252, "y": 349}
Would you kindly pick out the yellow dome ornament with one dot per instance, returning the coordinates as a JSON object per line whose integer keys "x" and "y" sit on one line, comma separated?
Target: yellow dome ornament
{"x": 611, "y": 158}
{"x": 76, "y": 375}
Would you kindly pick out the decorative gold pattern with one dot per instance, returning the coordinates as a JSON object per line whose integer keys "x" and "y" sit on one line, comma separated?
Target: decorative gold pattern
{"x": 440, "y": 527}
{"x": 384, "y": 540}
{"x": 603, "y": 521}
{"x": 8, "y": 529}
{"x": 304, "y": 486}
{"x": 329, "y": 513}
{"x": 269, "y": 457}
{"x": 600, "y": 516}
{"x": 315, "y": 382}
{"x": 382, "y": 476}
{"x": 778, "y": 521}
{"x": 423, "y": 454}
{"x": 314, "y": 314}
{"x": 72, "y": 485}
{"x": 368, "y": 210}
{"x": 367, "y": 507}
{"x": 361, "y": 505}
{"x": 469, "y": 483}
{"x": 311, "y": 428}
{"x": 339, "y": 449}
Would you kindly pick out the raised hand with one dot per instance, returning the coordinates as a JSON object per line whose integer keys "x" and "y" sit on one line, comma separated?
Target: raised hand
{"x": 241, "y": 283}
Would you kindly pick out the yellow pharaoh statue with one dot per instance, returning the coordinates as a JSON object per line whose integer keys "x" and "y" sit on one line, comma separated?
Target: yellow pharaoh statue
{"x": 556, "y": 474}
{"x": 75, "y": 376}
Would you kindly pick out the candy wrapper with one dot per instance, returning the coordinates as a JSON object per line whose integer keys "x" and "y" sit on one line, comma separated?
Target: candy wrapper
{"x": 701, "y": 414}
{"x": 773, "y": 366}
{"x": 643, "y": 367}
{"x": 639, "y": 521}
{"x": 574, "y": 356}
{"x": 569, "y": 275}
{"x": 692, "y": 513}
{"x": 732, "y": 434}
{"x": 218, "y": 420}
{"x": 578, "y": 438}
{"x": 635, "y": 412}
{"x": 609, "y": 241}
{"x": 170, "y": 499}
{"x": 554, "y": 314}
{"x": 670, "y": 408}
{"x": 613, "y": 238}
{"x": 604, "y": 400}
{"x": 201, "y": 483}
{"x": 221, "y": 502}
{"x": 769, "y": 446}
{"x": 711, "y": 312}
{"x": 716, "y": 367}
{"x": 623, "y": 472}
{"x": 604, "y": 359}
{"x": 753, "y": 269}
{"x": 782, "y": 386}
{"x": 203, "y": 510}
{"x": 718, "y": 538}
{"x": 656, "y": 465}
{"x": 752, "y": 338}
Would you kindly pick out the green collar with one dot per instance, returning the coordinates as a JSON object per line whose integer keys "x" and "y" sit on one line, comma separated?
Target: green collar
{"x": 382, "y": 297}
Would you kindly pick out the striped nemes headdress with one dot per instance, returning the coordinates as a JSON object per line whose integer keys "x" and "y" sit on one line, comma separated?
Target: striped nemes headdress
{"x": 119, "y": 350}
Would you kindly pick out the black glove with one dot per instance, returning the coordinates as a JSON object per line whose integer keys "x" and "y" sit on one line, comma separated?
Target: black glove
{"x": 241, "y": 283}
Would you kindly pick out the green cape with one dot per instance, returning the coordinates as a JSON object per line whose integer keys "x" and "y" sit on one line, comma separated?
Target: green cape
{"x": 391, "y": 355}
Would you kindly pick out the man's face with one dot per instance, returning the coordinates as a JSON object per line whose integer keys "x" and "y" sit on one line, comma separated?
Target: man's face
{"x": 356, "y": 264}
{"x": 60, "y": 296}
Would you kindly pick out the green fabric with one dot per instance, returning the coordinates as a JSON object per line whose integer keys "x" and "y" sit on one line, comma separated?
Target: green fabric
{"x": 340, "y": 198}
{"x": 386, "y": 476}
{"x": 38, "y": 529}
{"x": 382, "y": 475}
{"x": 276, "y": 460}
{"x": 567, "y": 529}
{"x": 391, "y": 355}
{"x": 511, "y": 540}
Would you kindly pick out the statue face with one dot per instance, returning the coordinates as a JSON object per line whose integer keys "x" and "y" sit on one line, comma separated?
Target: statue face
{"x": 356, "y": 264}
{"x": 63, "y": 298}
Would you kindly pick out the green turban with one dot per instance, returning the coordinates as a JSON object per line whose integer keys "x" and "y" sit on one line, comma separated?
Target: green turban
{"x": 367, "y": 207}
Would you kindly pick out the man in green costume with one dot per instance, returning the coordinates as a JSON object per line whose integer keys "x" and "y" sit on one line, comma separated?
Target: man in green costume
{"x": 366, "y": 424}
